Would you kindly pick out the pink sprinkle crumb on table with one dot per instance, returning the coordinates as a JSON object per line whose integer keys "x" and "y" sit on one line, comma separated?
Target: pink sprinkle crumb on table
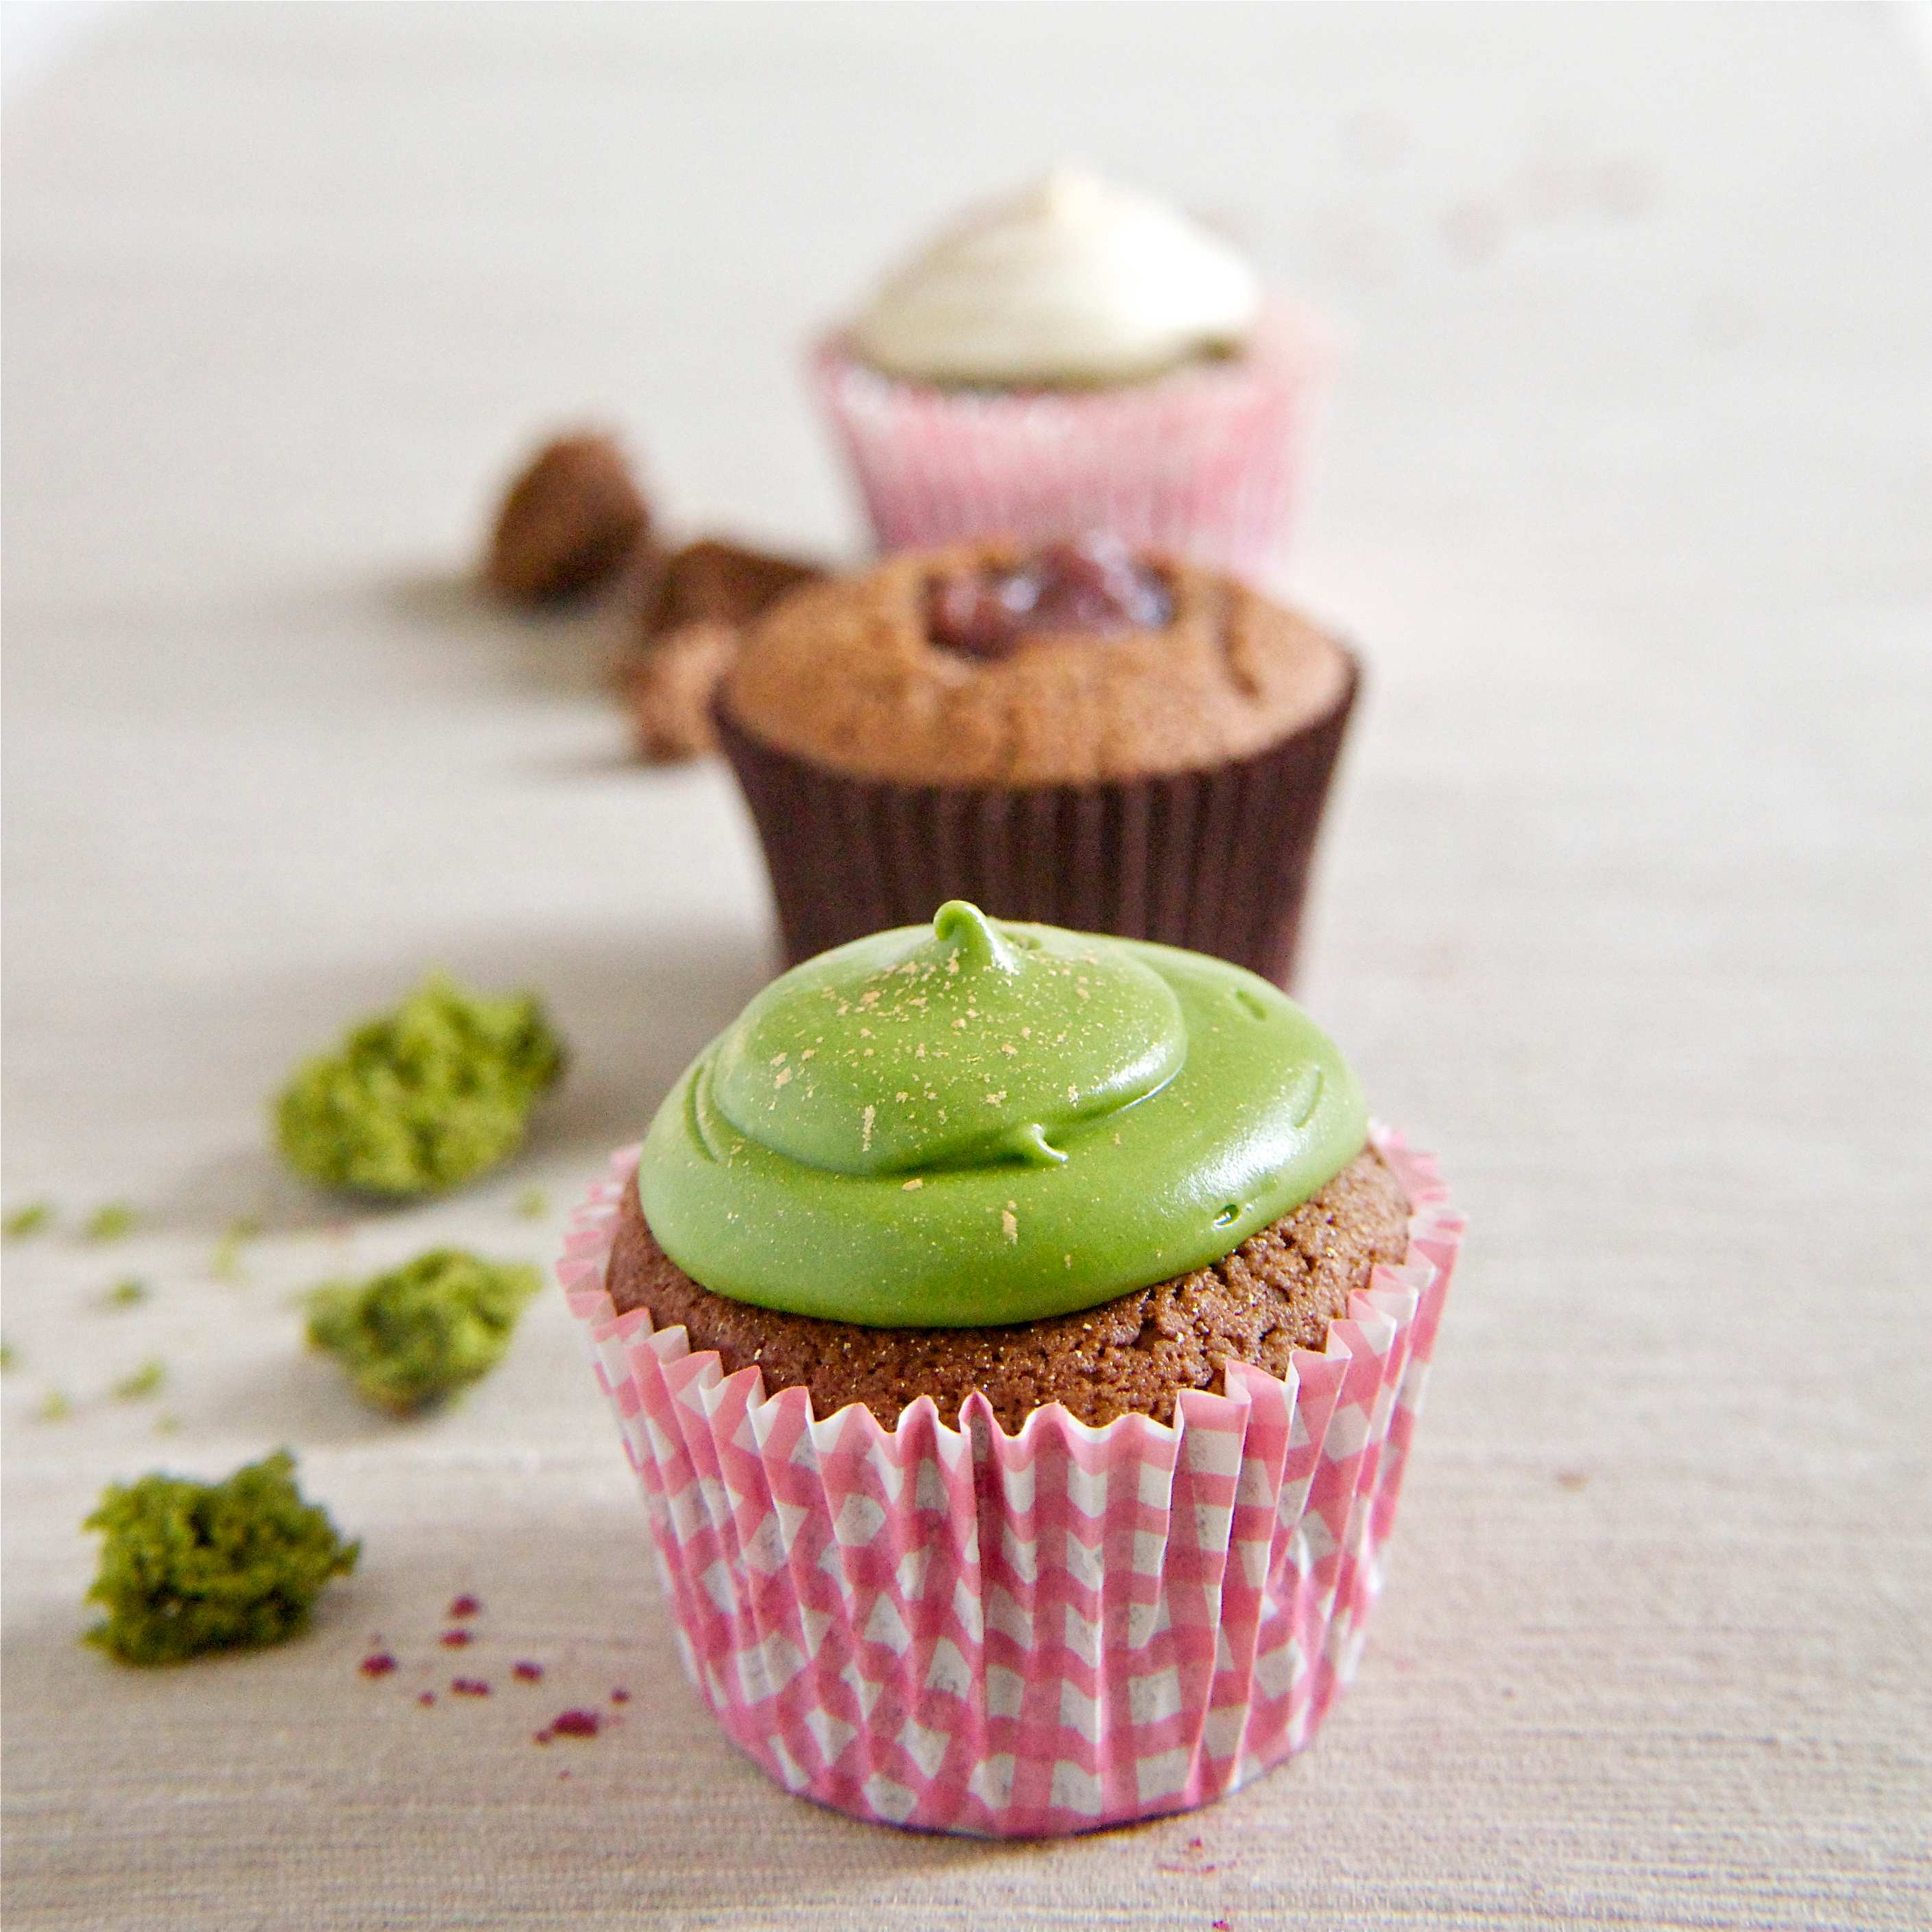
{"x": 379, "y": 1663}
{"x": 620, "y": 1696}
{"x": 465, "y": 1607}
{"x": 575, "y": 1724}
{"x": 1189, "y": 1863}
{"x": 426, "y": 1697}
{"x": 526, "y": 1673}
{"x": 454, "y": 1639}
{"x": 469, "y": 1687}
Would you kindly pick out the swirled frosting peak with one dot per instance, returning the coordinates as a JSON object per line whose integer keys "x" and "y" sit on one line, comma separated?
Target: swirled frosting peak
{"x": 979, "y": 1122}
{"x": 1075, "y": 282}
{"x": 973, "y": 1046}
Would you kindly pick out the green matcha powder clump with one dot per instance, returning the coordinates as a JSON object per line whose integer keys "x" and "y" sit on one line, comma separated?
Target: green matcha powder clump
{"x": 412, "y": 1336}
{"x": 422, "y": 1099}
{"x": 189, "y": 1567}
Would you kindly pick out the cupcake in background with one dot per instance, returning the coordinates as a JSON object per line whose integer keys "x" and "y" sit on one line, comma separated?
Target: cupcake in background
{"x": 1082, "y": 358}
{"x": 1076, "y": 732}
{"x": 1017, "y": 1334}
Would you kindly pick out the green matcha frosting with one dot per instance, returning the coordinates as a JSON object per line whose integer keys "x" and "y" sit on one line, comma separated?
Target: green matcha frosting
{"x": 984, "y": 1122}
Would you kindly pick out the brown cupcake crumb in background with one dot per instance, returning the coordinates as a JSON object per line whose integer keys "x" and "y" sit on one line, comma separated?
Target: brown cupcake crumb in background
{"x": 572, "y": 519}
{"x": 668, "y": 688}
{"x": 1276, "y": 1293}
{"x": 715, "y": 581}
{"x": 575, "y": 520}
{"x": 690, "y": 620}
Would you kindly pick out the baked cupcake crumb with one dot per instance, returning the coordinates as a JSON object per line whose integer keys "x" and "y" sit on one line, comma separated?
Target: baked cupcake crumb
{"x": 1277, "y": 1292}
{"x": 714, "y": 581}
{"x": 668, "y": 690}
{"x": 688, "y": 628}
{"x": 188, "y": 1566}
{"x": 572, "y": 519}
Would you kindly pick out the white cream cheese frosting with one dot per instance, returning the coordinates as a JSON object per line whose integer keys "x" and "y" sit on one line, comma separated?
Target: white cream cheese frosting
{"x": 1075, "y": 282}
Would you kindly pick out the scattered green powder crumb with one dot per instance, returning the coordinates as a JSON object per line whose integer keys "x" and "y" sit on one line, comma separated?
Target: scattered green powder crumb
{"x": 29, "y": 1220}
{"x": 189, "y": 1567}
{"x": 128, "y": 1293}
{"x": 533, "y": 1204}
{"x": 54, "y": 1406}
{"x": 225, "y": 1264}
{"x": 7, "y": 1358}
{"x": 412, "y": 1337}
{"x": 145, "y": 1380}
{"x": 423, "y": 1098}
{"x": 111, "y": 1221}
{"x": 167, "y": 1425}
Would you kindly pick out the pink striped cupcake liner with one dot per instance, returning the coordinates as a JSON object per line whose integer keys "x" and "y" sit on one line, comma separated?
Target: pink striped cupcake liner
{"x": 957, "y": 1629}
{"x": 1206, "y": 463}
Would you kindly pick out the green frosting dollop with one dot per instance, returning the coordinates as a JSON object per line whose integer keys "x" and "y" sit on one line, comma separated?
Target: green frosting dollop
{"x": 981, "y": 1123}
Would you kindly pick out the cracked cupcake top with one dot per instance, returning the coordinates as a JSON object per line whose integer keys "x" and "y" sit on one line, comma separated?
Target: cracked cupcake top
{"x": 980, "y": 1122}
{"x": 1005, "y": 664}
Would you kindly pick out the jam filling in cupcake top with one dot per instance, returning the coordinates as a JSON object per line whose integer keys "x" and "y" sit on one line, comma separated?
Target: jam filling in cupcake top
{"x": 983, "y": 1123}
{"x": 1094, "y": 585}
{"x": 1075, "y": 283}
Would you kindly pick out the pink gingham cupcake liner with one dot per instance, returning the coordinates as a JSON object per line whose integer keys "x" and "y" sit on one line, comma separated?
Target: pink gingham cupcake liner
{"x": 1205, "y": 463}
{"x": 958, "y": 1629}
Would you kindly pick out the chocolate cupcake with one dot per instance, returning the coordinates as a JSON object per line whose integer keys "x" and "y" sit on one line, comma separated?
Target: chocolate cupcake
{"x": 1017, "y": 1332}
{"x": 1076, "y": 734}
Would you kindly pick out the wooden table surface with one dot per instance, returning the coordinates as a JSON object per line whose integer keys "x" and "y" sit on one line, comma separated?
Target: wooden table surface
{"x": 1625, "y": 493}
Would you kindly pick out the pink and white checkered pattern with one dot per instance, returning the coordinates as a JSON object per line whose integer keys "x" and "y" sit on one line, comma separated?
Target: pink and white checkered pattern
{"x": 1205, "y": 463}
{"x": 963, "y": 1630}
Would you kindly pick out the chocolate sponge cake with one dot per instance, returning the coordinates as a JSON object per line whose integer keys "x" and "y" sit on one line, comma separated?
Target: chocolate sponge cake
{"x": 1276, "y": 1293}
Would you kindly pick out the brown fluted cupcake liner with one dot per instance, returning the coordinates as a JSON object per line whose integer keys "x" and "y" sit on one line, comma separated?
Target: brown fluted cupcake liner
{"x": 1216, "y": 860}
